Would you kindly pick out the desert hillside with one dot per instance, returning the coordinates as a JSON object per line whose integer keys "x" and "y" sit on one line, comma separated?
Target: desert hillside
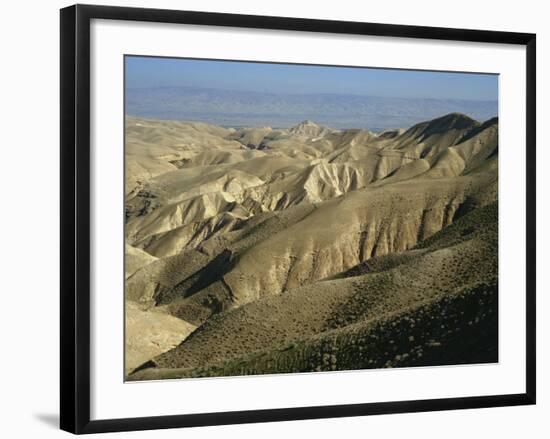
{"x": 267, "y": 250}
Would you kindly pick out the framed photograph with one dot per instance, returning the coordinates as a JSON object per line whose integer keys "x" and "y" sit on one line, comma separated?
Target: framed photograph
{"x": 272, "y": 218}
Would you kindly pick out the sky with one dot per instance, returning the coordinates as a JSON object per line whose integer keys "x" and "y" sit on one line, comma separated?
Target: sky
{"x": 147, "y": 72}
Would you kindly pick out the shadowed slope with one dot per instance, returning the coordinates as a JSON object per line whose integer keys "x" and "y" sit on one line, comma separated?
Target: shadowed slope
{"x": 448, "y": 272}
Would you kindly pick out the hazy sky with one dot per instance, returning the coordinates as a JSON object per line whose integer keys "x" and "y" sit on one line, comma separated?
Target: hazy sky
{"x": 144, "y": 72}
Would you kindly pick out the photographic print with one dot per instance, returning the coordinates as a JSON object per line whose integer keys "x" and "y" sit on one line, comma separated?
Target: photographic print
{"x": 286, "y": 218}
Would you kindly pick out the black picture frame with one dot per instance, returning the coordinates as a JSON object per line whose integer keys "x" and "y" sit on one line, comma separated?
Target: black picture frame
{"x": 75, "y": 217}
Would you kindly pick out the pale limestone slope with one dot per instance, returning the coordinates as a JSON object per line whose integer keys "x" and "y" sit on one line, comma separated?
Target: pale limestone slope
{"x": 149, "y": 333}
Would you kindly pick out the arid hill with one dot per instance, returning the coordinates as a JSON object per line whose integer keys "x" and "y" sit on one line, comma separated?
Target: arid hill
{"x": 262, "y": 250}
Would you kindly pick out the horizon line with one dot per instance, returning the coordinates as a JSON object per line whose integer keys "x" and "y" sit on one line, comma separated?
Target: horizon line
{"x": 374, "y": 129}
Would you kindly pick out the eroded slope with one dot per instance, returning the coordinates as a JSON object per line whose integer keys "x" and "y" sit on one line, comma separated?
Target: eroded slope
{"x": 251, "y": 235}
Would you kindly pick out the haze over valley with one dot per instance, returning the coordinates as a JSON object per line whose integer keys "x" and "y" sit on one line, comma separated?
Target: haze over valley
{"x": 245, "y": 108}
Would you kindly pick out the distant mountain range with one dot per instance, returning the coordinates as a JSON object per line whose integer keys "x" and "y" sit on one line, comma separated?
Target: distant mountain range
{"x": 244, "y": 108}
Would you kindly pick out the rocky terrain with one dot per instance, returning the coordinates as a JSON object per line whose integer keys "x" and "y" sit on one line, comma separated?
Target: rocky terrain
{"x": 264, "y": 250}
